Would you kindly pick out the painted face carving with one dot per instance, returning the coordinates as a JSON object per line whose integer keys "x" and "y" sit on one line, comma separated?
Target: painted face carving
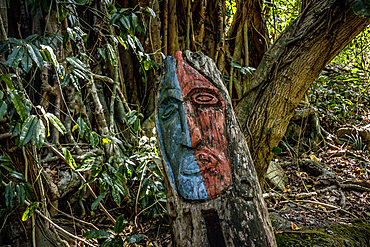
{"x": 205, "y": 111}
{"x": 192, "y": 132}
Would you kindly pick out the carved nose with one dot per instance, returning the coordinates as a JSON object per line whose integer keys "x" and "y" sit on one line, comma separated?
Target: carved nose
{"x": 196, "y": 136}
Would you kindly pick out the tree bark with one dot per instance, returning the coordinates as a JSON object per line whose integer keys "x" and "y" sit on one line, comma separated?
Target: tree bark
{"x": 287, "y": 70}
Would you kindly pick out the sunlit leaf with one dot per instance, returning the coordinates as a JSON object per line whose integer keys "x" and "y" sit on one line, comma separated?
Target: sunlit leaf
{"x": 56, "y": 122}
{"x": 30, "y": 210}
{"x": 39, "y": 133}
{"x": 35, "y": 55}
{"x": 69, "y": 159}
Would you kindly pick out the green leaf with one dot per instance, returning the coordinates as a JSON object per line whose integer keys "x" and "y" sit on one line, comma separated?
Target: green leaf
{"x": 77, "y": 63}
{"x": 131, "y": 120}
{"x": 102, "y": 53}
{"x": 134, "y": 21}
{"x": 276, "y": 150}
{"x": 85, "y": 167}
{"x": 120, "y": 224}
{"x": 137, "y": 41}
{"x": 107, "y": 178}
{"x": 151, "y": 11}
{"x": 111, "y": 55}
{"x": 361, "y": 7}
{"x": 3, "y": 109}
{"x": 94, "y": 139}
{"x": 235, "y": 65}
{"x": 39, "y": 133}
{"x": 125, "y": 22}
{"x": 116, "y": 196}
{"x": 7, "y": 78}
{"x": 50, "y": 53}
{"x": 9, "y": 194}
{"x": 4, "y": 158}
{"x": 19, "y": 105}
{"x": 29, "y": 191}
{"x": 82, "y": 126}
{"x": 35, "y": 55}
{"x": 28, "y": 130}
{"x": 96, "y": 234}
{"x": 135, "y": 238}
{"x": 18, "y": 175}
{"x": 70, "y": 160}
{"x": 7, "y": 166}
{"x": 26, "y": 62}
{"x": 20, "y": 194}
{"x": 15, "y": 57}
{"x": 95, "y": 204}
{"x": 30, "y": 210}
{"x": 56, "y": 122}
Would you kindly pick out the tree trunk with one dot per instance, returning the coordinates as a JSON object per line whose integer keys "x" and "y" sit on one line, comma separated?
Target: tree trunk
{"x": 213, "y": 195}
{"x": 289, "y": 67}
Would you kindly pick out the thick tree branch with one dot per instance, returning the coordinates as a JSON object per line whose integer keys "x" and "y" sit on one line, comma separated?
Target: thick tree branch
{"x": 287, "y": 70}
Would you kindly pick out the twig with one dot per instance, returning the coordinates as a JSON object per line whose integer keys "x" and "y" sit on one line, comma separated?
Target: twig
{"x": 5, "y": 135}
{"x": 74, "y": 218}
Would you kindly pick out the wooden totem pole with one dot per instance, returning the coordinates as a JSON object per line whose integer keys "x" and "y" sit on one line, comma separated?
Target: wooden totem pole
{"x": 213, "y": 195}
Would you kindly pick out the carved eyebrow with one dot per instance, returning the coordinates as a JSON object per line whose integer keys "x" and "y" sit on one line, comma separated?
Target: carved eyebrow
{"x": 170, "y": 94}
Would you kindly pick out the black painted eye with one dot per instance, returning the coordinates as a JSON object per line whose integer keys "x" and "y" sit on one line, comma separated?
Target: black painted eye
{"x": 203, "y": 98}
{"x": 169, "y": 111}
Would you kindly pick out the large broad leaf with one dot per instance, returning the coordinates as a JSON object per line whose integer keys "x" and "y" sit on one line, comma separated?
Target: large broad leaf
{"x": 7, "y": 78}
{"x": 70, "y": 160}
{"x": 50, "y": 54}
{"x": 96, "y": 234}
{"x": 361, "y": 7}
{"x": 97, "y": 201}
{"x": 28, "y": 129}
{"x": 15, "y": 57}
{"x": 29, "y": 191}
{"x": 120, "y": 224}
{"x": 94, "y": 139}
{"x": 35, "y": 55}
{"x": 9, "y": 195}
{"x": 112, "y": 55}
{"x": 134, "y": 238}
{"x": 19, "y": 105}
{"x": 3, "y": 109}
{"x": 56, "y": 122}
{"x": 76, "y": 63}
{"x": 30, "y": 210}
{"x": 21, "y": 194}
{"x": 39, "y": 133}
{"x": 26, "y": 62}
{"x": 116, "y": 196}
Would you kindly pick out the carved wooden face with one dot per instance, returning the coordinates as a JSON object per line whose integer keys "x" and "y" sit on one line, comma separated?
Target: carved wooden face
{"x": 205, "y": 112}
{"x": 191, "y": 120}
